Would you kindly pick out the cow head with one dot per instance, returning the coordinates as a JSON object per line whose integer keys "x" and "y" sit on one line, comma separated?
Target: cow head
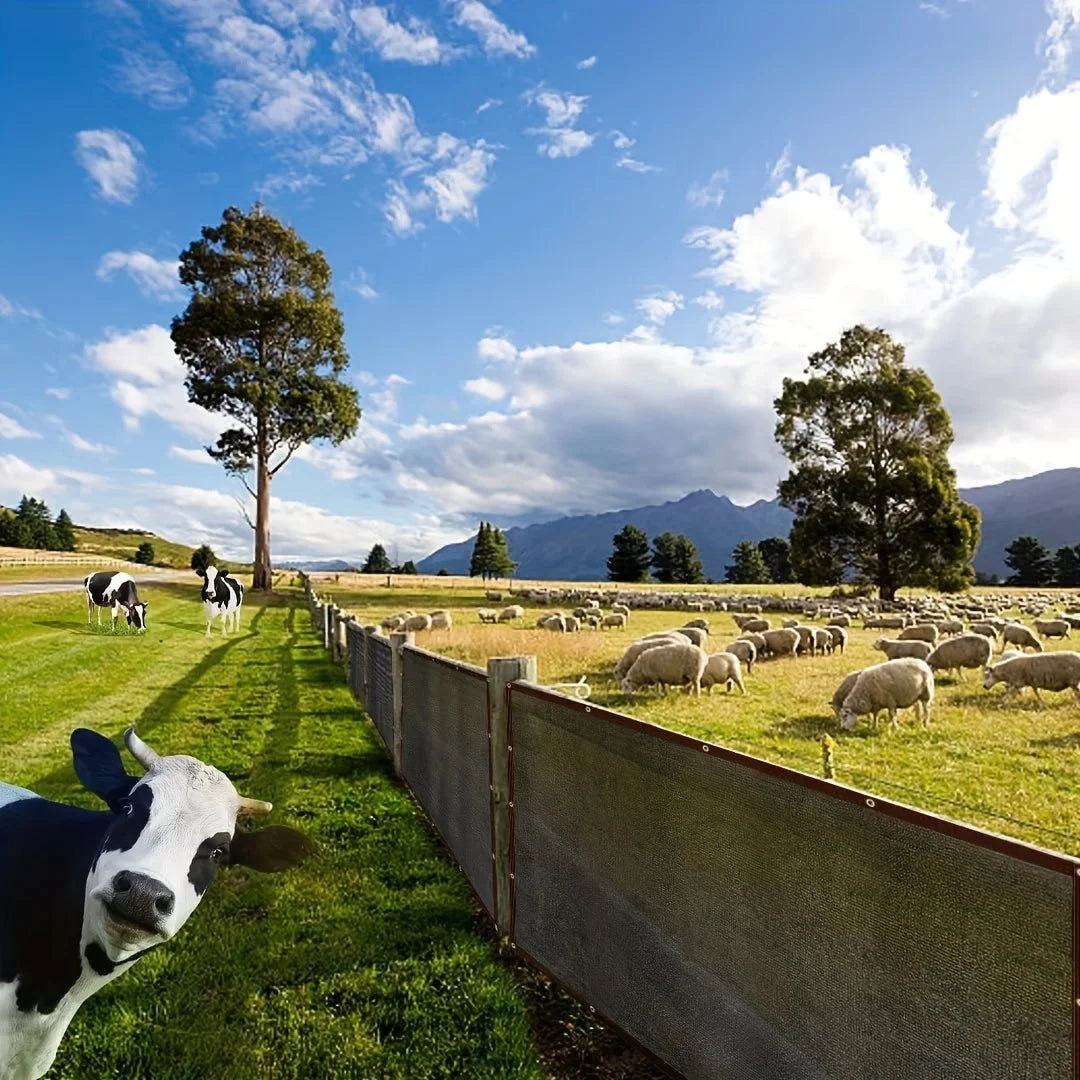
{"x": 210, "y": 578}
{"x": 136, "y": 615}
{"x": 172, "y": 830}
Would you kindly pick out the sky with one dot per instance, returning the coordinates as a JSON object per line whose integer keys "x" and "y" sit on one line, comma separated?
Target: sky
{"x": 577, "y": 245}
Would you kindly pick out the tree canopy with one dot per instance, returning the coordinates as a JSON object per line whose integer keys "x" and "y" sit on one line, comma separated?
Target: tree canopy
{"x": 871, "y": 487}
{"x": 377, "y": 562}
{"x": 776, "y": 551}
{"x": 31, "y": 526}
{"x": 748, "y": 567}
{"x": 262, "y": 341}
{"x": 1067, "y": 566}
{"x": 490, "y": 555}
{"x": 676, "y": 561}
{"x": 1031, "y": 562}
{"x": 630, "y": 558}
{"x": 202, "y": 557}
{"x": 144, "y": 554}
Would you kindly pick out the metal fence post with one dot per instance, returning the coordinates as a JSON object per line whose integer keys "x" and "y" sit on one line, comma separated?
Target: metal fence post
{"x": 502, "y": 670}
{"x": 397, "y": 648}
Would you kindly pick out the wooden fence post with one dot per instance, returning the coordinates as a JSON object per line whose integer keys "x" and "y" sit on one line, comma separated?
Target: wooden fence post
{"x": 502, "y": 670}
{"x": 397, "y": 649}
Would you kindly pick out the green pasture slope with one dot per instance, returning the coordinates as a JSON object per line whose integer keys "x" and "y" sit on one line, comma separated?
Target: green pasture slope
{"x": 363, "y": 963}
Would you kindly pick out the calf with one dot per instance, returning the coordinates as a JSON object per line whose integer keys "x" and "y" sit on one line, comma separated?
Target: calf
{"x": 222, "y": 596}
{"x": 85, "y": 893}
{"x": 116, "y": 590}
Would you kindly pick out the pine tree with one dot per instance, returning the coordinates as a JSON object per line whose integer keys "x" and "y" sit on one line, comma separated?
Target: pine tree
{"x": 1031, "y": 561}
{"x": 748, "y": 567}
{"x": 630, "y": 557}
{"x": 377, "y": 562}
{"x": 687, "y": 568}
{"x": 145, "y": 553}
{"x": 776, "y": 552}
{"x": 409, "y": 567}
{"x": 1067, "y": 566}
{"x": 663, "y": 557}
{"x": 36, "y": 524}
{"x": 502, "y": 566}
{"x": 63, "y": 532}
{"x": 481, "y": 553}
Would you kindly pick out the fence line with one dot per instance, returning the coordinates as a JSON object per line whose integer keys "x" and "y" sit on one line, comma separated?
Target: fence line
{"x": 738, "y": 919}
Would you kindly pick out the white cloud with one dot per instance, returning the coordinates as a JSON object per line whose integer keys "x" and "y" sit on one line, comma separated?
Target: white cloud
{"x": 587, "y": 63}
{"x": 934, "y": 9}
{"x": 612, "y": 318}
{"x": 709, "y": 301}
{"x": 61, "y": 392}
{"x": 84, "y": 446}
{"x": 151, "y": 75}
{"x": 562, "y": 142}
{"x": 10, "y": 428}
{"x": 293, "y": 182}
{"x": 782, "y": 166}
{"x": 496, "y": 38}
{"x": 496, "y": 349}
{"x": 10, "y": 309}
{"x": 559, "y": 137}
{"x": 659, "y": 307}
{"x": 711, "y": 193}
{"x": 486, "y": 388}
{"x": 621, "y": 140}
{"x": 1057, "y": 42}
{"x": 111, "y": 160}
{"x": 19, "y": 477}
{"x": 197, "y": 456}
{"x": 412, "y": 41}
{"x": 490, "y": 103}
{"x": 632, "y": 163}
{"x": 157, "y": 278}
{"x": 360, "y": 284}
{"x": 451, "y": 190}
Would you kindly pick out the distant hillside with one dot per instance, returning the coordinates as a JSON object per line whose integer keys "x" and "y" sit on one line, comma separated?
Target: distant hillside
{"x": 576, "y": 548}
{"x": 123, "y": 543}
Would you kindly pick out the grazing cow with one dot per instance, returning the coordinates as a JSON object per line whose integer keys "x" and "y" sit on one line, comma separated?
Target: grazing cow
{"x": 85, "y": 893}
{"x": 116, "y": 590}
{"x": 222, "y": 595}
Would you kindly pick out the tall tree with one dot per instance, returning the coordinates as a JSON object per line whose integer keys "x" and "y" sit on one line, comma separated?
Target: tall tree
{"x": 1031, "y": 562}
{"x": 748, "y": 566}
{"x": 261, "y": 338}
{"x": 377, "y": 562}
{"x": 663, "y": 557}
{"x": 871, "y": 486}
{"x": 687, "y": 568}
{"x": 630, "y": 557}
{"x": 409, "y": 567}
{"x": 776, "y": 552}
{"x": 501, "y": 564}
{"x": 1067, "y": 566}
{"x": 483, "y": 552}
{"x": 36, "y": 523}
{"x": 202, "y": 557}
{"x": 64, "y": 532}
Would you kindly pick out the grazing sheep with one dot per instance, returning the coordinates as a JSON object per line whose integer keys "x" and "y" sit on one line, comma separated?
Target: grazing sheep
{"x": 620, "y": 609}
{"x": 1018, "y": 634}
{"x": 896, "y": 684}
{"x": 894, "y": 650}
{"x": 842, "y": 691}
{"x": 923, "y": 632}
{"x": 700, "y": 624}
{"x": 1009, "y": 654}
{"x": 744, "y": 650}
{"x": 757, "y": 640}
{"x": 440, "y": 620}
{"x": 617, "y": 621}
{"x": 555, "y": 623}
{"x": 487, "y": 614}
{"x": 417, "y": 622}
{"x": 1052, "y": 628}
{"x": 494, "y": 596}
{"x": 671, "y": 664}
{"x": 755, "y": 626}
{"x": 741, "y": 620}
{"x": 592, "y": 622}
{"x": 840, "y": 620}
{"x": 573, "y": 624}
{"x": 509, "y": 614}
{"x": 392, "y": 623}
{"x": 782, "y": 642}
{"x": 693, "y": 633}
{"x": 987, "y": 629}
{"x": 823, "y": 640}
{"x": 1042, "y": 671}
{"x": 965, "y": 651}
{"x": 626, "y": 662}
{"x": 581, "y": 613}
{"x": 807, "y": 641}
{"x": 949, "y": 627}
{"x": 884, "y": 622}
{"x": 839, "y": 636}
{"x": 789, "y": 624}
{"x": 722, "y": 667}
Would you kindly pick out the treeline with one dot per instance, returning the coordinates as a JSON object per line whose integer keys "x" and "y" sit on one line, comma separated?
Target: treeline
{"x": 1033, "y": 565}
{"x": 31, "y": 525}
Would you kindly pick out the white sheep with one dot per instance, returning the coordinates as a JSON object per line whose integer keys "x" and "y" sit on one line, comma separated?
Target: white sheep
{"x": 807, "y": 641}
{"x": 392, "y": 623}
{"x": 840, "y": 620}
{"x": 1041, "y": 671}
{"x": 722, "y": 667}
{"x": 950, "y": 627}
{"x": 755, "y": 626}
{"x": 616, "y": 620}
{"x": 573, "y": 624}
{"x": 509, "y": 614}
{"x": 782, "y": 642}
{"x": 633, "y": 651}
{"x": 922, "y": 632}
{"x": 440, "y": 620}
{"x": 1019, "y": 634}
{"x": 671, "y": 664}
{"x": 842, "y": 691}
{"x": 896, "y": 684}
{"x": 693, "y": 633}
{"x": 757, "y": 640}
{"x": 417, "y": 622}
{"x": 987, "y": 629}
{"x": 838, "y": 634}
{"x": 965, "y": 651}
{"x": 700, "y": 624}
{"x": 894, "y": 650}
{"x": 823, "y": 640}
{"x": 555, "y": 623}
{"x": 487, "y": 614}
{"x": 1052, "y": 628}
{"x": 744, "y": 650}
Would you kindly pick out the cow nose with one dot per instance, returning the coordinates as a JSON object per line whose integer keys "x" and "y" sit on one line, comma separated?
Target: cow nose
{"x": 141, "y": 898}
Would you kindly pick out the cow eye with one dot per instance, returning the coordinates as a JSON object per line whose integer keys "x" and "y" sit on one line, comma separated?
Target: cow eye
{"x": 127, "y": 809}
{"x": 217, "y": 854}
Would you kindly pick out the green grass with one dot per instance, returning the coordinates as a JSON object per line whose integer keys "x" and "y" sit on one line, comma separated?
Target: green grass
{"x": 364, "y": 963}
{"x": 1009, "y": 766}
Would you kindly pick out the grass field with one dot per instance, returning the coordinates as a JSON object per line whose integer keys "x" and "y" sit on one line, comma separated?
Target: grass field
{"x": 364, "y": 963}
{"x": 1011, "y": 767}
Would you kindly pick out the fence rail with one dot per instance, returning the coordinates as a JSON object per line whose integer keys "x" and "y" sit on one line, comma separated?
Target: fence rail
{"x": 738, "y": 919}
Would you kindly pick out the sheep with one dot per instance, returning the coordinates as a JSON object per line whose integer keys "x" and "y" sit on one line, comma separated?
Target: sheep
{"x": 1009, "y": 654}
{"x": 700, "y": 624}
{"x": 842, "y": 691}
{"x": 573, "y": 624}
{"x": 1052, "y": 628}
{"x": 987, "y": 629}
{"x": 670, "y": 664}
{"x": 922, "y": 632}
{"x": 1018, "y": 634}
{"x": 894, "y": 650}
{"x": 757, "y": 640}
{"x": 581, "y": 613}
{"x": 782, "y": 642}
{"x": 896, "y": 684}
{"x": 840, "y": 620}
{"x": 722, "y": 667}
{"x": 509, "y": 614}
{"x": 617, "y": 621}
{"x": 807, "y": 643}
{"x": 487, "y": 614}
{"x": 823, "y": 640}
{"x": 789, "y": 624}
{"x": 1045, "y": 671}
{"x": 392, "y": 623}
{"x": 593, "y": 622}
{"x": 626, "y": 662}
{"x": 693, "y": 633}
{"x": 949, "y": 627}
{"x": 744, "y": 650}
{"x": 494, "y": 596}
{"x": 417, "y": 622}
{"x": 755, "y": 626}
{"x": 555, "y": 623}
{"x": 440, "y": 620}
{"x": 884, "y": 622}
{"x": 620, "y": 609}
{"x": 839, "y": 636}
{"x": 965, "y": 651}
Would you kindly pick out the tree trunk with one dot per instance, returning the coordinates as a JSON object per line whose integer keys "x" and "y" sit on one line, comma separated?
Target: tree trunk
{"x": 262, "y": 578}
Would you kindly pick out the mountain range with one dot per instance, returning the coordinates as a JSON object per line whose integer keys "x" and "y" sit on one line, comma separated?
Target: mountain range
{"x": 576, "y": 548}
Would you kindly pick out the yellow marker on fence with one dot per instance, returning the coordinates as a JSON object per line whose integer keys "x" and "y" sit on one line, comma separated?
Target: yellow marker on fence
{"x": 827, "y": 744}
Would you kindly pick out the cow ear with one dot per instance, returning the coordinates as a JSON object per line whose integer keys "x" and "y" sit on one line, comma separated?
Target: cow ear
{"x": 99, "y": 767}
{"x": 201, "y": 573}
{"x": 269, "y": 850}
{"x": 223, "y": 573}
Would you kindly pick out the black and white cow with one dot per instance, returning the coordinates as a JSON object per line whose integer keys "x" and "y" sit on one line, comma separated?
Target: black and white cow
{"x": 85, "y": 893}
{"x": 116, "y": 590}
{"x": 222, "y": 596}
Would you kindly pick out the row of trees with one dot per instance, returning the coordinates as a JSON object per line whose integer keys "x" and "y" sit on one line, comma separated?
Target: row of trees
{"x": 673, "y": 558}
{"x": 768, "y": 562}
{"x": 490, "y": 555}
{"x": 378, "y": 562}
{"x": 32, "y": 526}
{"x": 1033, "y": 565}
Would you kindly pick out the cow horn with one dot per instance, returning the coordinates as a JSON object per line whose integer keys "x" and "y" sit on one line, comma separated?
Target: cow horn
{"x": 139, "y": 750}
{"x": 254, "y": 806}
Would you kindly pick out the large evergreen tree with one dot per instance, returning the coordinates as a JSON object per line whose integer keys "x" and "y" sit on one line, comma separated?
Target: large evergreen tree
{"x": 776, "y": 552}
{"x": 630, "y": 557}
{"x": 871, "y": 486}
{"x": 687, "y": 568}
{"x": 64, "y": 532}
{"x": 748, "y": 566}
{"x": 482, "y": 552}
{"x": 144, "y": 555}
{"x": 1031, "y": 562}
{"x": 34, "y": 524}
{"x": 502, "y": 566}
{"x": 377, "y": 562}
{"x": 262, "y": 341}
{"x": 1067, "y": 566}
{"x": 663, "y": 557}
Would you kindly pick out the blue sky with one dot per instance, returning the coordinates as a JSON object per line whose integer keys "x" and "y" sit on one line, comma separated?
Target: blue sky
{"x": 577, "y": 246}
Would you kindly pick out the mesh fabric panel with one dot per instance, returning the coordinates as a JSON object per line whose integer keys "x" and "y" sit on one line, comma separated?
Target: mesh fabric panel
{"x": 744, "y": 925}
{"x": 444, "y": 758}
{"x": 354, "y": 638}
{"x": 380, "y": 688}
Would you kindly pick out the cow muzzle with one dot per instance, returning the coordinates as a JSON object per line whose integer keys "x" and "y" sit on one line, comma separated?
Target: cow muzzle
{"x": 138, "y": 905}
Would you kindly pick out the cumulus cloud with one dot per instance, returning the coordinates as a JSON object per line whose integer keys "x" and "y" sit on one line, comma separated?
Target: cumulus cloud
{"x": 496, "y": 38}
{"x": 17, "y": 477}
{"x": 1058, "y": 40}
{"x": 112, "y": 161}
{"x": 659, "y": 307}
{"x": 486, "y": 388}
{"x": 412, "y": 41}
{"x": 621, "y": 140}
{"x": 156, "y": 278}
{"x": 495, "y": 348}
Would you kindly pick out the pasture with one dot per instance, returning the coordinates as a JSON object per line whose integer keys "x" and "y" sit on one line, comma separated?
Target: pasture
{"x": 365, "y": 962}
{"x": 1012, "y": 767}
